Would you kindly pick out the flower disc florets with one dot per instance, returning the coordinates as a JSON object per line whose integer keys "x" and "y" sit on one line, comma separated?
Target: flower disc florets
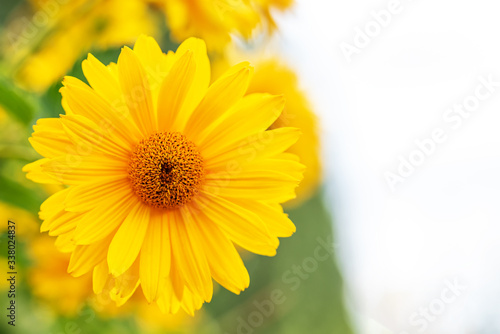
{"x": 166, "y": 170}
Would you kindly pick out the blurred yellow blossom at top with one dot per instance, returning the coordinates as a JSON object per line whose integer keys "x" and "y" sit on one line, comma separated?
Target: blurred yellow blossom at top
{"x": 43, "y": 45}
{"x": 273, "y": 76}
{"x": 215, "y": 20}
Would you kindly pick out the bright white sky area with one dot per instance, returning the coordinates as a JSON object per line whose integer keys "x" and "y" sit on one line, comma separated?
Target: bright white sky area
{"x": 420, "y": 75}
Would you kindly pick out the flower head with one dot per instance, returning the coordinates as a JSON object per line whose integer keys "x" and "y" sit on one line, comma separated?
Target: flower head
{"x": 166, "y": 173}
{"x": 216, "y": 20}
{"x": 41, "y": 54}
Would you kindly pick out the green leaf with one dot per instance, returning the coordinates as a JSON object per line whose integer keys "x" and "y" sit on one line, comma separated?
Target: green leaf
{"x": 300, "y": 290}
{"x": 18, "y": 195}
{"x": 16, "y": 102}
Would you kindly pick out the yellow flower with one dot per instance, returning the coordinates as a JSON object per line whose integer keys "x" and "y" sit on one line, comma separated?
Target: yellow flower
{"x": 26, "y": 226}
{"x": 66, "y": 295}
{"x": 267, "y": 5}
{"x": 165, "y": 173}
{"x": 50, "y": 281}
{"x": 57, "y": 34}
{"x": 274, "y": 77}
{"x": 215, "y": 20}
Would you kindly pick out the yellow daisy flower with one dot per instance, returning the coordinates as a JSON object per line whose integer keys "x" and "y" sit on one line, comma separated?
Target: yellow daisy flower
{"x": 50, "y": 282}
{"x": 42, "y": 53}
{"x": 166, "y": 173}
{"x": 215, "y": 20}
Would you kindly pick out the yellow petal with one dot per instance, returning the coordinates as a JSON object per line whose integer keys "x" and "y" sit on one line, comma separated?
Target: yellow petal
{"x": 189, "y": 254}
{"x": 65, "y": 243}
{"x": 176, "y": 278}
{"x": 272, "y": 215}
{"x": 156, "y": 64}
{"x": 87, "y": 196}
{"x": 174, "y": 91}
{"x": 128, "y": 240}
{"x": 63, "y": 222}
{"x": 53, "y": 205}
{"x": 88, "y": 137}
{"x": 100, "y": 276}
{"x": 112, "y": 121}
{"x": 269, "y": 189}
{"x": 168, "y": 301}
{"x": 135, "y": 87}
{"x": 220, "y": 96}
{"x": 104, "y": 219}
{"x": 126, "y": 285}
{"x": 191, "y": 302}
{"x": 155, "y": 256}
{"x": 75, "y": 169}
{"x": 85, "y": 257}
{"x": 35, "y": 173}
{"x": 102, "y": 80}
{"x": 49, "y": 138}
{"x": 200, "y": 81}
{"x": 225, "y": 263}
{"x": 242, "y": 226}
{"x": 252, "y": 114}
{"x": 272, "y": 180}
{"x": 262, "y": 145}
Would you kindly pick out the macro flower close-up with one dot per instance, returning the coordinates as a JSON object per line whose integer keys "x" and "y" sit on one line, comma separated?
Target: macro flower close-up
{"x": 166, "y": 174}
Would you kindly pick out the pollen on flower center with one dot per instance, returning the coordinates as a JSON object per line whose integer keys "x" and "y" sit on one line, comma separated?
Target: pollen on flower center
{"x": 166, "y": 170}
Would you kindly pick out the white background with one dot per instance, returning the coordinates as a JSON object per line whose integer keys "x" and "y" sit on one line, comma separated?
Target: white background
{"x": 398, "y": 247}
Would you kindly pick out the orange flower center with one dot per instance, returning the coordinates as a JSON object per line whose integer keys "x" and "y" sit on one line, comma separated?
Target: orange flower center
{"x": 166, "y": 170}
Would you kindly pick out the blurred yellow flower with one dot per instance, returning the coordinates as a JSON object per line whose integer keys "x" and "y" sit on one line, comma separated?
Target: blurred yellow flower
{"x": 166, "y": 172}
{"x": 66, "y": 295}
{"x": 43, "y": 48}
{"x": 274, "y": 77}
{"x": 215, "y": 20}
{"x": 27, "y": 224}
{"x": 50, "y": 281}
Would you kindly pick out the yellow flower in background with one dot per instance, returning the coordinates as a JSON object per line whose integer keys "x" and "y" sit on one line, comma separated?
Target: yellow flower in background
{"x": 215, "y": 20}
{"x": 27, "y": 224}
{"x": 50, "y": 281}
{"x": 46, "y": 46}
{"x": 274, "y": 77}
{"x": 267, "y": 6}
{"x": 51, "y": 284}
{"x": 165, "y": 173}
